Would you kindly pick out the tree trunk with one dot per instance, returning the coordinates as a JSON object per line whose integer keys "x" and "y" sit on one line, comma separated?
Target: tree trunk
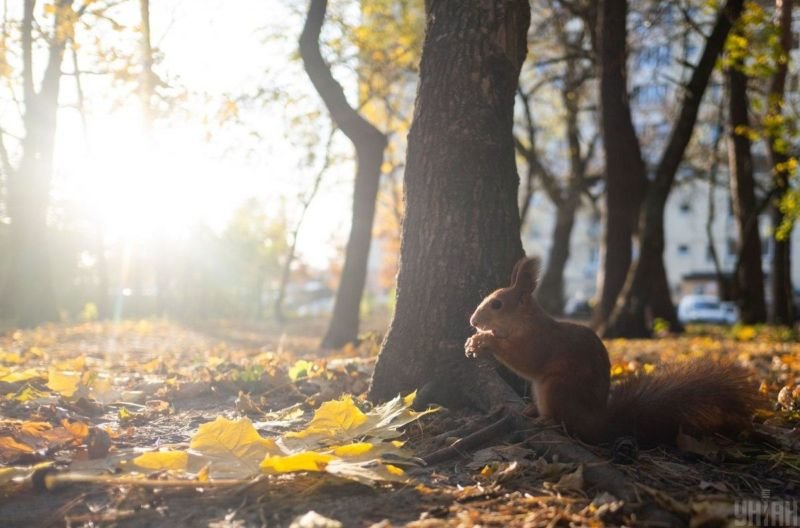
{"x": 551, "y": 288}
{"x": 782, "y": 289}
{"x": 749, "y": 274}
{"x": 28, "y": 296}
{"x": 460, "y": 237}
{"x": 626, "y": 175}
{"x": 644, "y": 283}
{"x": 369, "y": 145}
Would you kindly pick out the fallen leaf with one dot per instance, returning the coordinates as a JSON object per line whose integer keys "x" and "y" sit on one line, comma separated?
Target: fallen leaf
{"x": 234, "y": 447}
{"x": 160, "y": 460}
{"x": 306, "y": 461}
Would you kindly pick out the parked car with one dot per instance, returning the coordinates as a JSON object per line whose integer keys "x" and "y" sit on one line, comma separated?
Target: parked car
{"x": 707, "y": 309}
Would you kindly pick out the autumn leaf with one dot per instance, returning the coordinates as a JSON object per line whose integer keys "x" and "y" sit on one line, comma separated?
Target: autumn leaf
{"x": 305, "y": 461}
{"x": 79, "y": 430}
{"x": 233, "y": 446}
{"x": 63, "y": 382}
{"x": 11, "y": 448}
{"x": 333, "y": 419}
{"x": 160, "y": 460}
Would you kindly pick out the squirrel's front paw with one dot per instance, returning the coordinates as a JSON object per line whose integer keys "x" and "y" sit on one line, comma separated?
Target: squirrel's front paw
{"x": 478, "y": 345}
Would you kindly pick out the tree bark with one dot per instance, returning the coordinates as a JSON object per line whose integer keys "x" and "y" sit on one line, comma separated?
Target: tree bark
{"x": 626, "y": 175}
{"x": 782, "y": 289}
{"x": 369, "y": 145}
{"x": 28, "y": 296}
{"x": 645, "y": 279}
{"x": 460, "y": 236}
{"x": 749, "y": 274}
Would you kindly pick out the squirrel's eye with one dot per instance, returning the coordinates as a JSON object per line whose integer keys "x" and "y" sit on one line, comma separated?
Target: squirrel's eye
{"x": 496, "y": 304}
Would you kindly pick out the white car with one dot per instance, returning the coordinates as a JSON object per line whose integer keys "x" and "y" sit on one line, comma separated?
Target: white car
{"x": 707, "y": 309}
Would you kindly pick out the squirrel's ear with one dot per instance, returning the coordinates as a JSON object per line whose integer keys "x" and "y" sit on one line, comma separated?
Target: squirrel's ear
{"x": 526, "y": 275}
{"x": 515, "y": 271}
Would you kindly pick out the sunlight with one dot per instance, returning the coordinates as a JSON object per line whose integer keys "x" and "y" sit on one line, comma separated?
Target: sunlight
{"x": 136, "y": 189}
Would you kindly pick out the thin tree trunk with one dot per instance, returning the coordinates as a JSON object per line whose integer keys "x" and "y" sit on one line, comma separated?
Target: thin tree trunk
{"x": 749, "y": 274}
{"x": 527, "y": 194}
{"x": 369, "y": 145}
{"x": 278, "y": 313}
{"x": 28, "y": 295}
{"x": 724, "y": 286}
{"x": 460, "y": 236}
{"x": 645, "y": 282}
{"x": 626, "y": 175}
{"x": 782, "y": 288}
{"x": 551, "y": 288}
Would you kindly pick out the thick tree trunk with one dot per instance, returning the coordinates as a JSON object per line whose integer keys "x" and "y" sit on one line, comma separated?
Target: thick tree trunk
{"x": 645, "y": 280}
{"x": 782, "y": 289}
{"x": 551, "y": 288}
{"x": 626, "y": 175}
{"x": 28, "y": 296}
{"x": 749, "y": 274}
{"x": 460, "y": 237}
{"x": 369, "y": 145}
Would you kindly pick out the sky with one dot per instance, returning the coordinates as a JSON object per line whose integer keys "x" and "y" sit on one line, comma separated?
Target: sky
{"x": 193, "y": 172}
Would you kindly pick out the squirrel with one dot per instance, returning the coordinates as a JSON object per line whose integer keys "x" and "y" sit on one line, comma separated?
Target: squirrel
{"x": 569, "y": 369}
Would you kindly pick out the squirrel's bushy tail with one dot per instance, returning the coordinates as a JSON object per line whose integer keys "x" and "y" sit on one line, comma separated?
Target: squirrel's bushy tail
{"x": 697, "y": 397}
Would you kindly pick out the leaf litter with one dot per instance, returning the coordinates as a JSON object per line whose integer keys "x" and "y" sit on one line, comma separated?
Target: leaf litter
{"x": 146, "y": 423}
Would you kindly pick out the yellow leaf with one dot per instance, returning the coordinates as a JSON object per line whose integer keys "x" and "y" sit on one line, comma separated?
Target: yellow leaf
{"x": 125, "y": 415}
{"x": 333, "y": 417}
{"x": 232, "y": 442}
{"x": 305, "y": 461}
{"x": 158, "y": 460}
{"x": 8, "y": 357}
{"x": 76, "y": 363}
{"x": 22, "y": 375}
{"x": 353, "y": 449}
{"x": 63, "y": 382}
{"x": 27, "y": 394}
{"x": 301, "y": 368}
{"x": 394, "y": 470}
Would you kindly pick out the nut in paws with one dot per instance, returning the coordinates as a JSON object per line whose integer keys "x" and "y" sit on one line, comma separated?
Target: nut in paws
{"x": 477, "y": 345}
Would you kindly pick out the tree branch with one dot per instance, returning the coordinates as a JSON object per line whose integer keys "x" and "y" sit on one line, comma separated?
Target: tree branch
{"x": 684, "y": 126}
{"x": 349, "y": 121}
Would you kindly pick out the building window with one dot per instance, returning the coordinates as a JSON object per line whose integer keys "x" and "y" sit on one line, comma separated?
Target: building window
{"x": 686, "y": 207}
{"x": 683, "y": 250}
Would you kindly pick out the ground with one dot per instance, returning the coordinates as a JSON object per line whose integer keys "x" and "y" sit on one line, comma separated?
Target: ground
{"x": 79, "y": 403}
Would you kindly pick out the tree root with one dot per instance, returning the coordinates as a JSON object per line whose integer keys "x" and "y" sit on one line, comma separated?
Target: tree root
{"x": 598, "y": 472}
{"x": 471, "y": 441}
